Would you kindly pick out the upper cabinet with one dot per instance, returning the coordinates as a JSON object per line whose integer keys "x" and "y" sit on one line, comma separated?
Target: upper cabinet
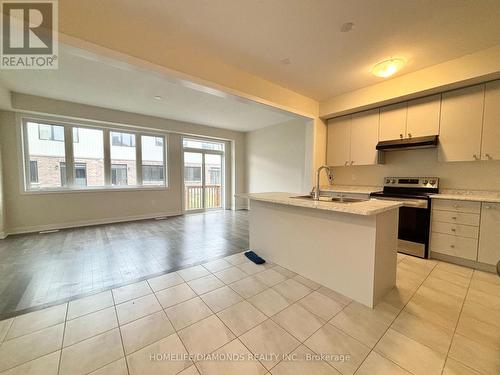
{"x": 352, "y": 139}
{"x": 467, "y": 121}
{"x": 422, "y": 117}
{"x": 393, "y": 122}
{"x": 490, "y": 148}
{"x": 416, "y": 118}
{"x": 364, "y": 137}
{"x": 339, "y": 141}
{"x": 461, "y": 124}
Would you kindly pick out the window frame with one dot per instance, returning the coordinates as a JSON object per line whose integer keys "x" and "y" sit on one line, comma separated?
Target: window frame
{"x": 70, "y": 186}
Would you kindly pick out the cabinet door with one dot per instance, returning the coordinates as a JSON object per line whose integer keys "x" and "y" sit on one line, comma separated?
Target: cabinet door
{"x": 461, "y": 123}
{"x": 489, "y": 235}
{"x": 491, "y": 126}
{"x": 423, "y": 116}
{"x": 339, "y": 141}
{"x": 364, "y": 137}
{"x": 392, "y": 122}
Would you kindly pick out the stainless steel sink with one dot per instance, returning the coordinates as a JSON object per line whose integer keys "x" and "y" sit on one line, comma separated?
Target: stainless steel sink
{"x": 331, "y": 199}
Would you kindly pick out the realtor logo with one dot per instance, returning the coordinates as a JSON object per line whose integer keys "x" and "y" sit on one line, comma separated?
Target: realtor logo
{"x": 29, "y": 35}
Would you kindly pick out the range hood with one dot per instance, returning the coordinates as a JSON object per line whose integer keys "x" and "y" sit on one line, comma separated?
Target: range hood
{"x": 408, "y": 143}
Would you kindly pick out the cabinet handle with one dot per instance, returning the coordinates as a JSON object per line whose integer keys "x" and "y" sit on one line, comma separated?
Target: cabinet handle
{"x": 488, "y": 156}
{"x": 488, "y": 207}
{"x": 453, "y": 230}
{"x": 352, "y": 162}
{"x": 409, "y": 135}
{"x": 452, "y": 246}
{"x": 401, "y": 135}
{"x": 346, "y": 163}
{"x": 454, "y": 217}
{"x": 475, "y": 157}
{"x": 455, "y": 205}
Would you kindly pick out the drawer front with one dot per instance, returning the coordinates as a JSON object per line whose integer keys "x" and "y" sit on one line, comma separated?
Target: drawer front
{"x": 455, "y": 217}
{"x": 455, "y": 229}
{"x": 456, "y": 206}
{"x": 461, "y": 247}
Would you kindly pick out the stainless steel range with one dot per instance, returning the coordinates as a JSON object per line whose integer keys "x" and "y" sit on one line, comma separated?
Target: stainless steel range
{"x": 415, "y": 215}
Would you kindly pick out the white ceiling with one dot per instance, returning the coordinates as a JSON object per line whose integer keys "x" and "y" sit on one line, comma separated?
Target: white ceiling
{"x": 257, "y": 35}
{"x": 87, "y": 78}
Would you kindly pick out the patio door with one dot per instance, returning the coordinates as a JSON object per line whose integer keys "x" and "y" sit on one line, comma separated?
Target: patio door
{"x": 203, "y": 178}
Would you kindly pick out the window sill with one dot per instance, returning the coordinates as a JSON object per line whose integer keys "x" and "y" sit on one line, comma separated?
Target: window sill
{"x": 94, "y": 190}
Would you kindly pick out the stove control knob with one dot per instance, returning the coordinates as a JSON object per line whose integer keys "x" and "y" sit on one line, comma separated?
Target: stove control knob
{"x": 425, "y": 182}
{"x": 387, "y": 180}
{"x": 393, "y": 181}
{"x": 432, "y": 182}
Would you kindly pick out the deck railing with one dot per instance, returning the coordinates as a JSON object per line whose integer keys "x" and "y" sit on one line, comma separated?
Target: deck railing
{"x": 194, "y": 198}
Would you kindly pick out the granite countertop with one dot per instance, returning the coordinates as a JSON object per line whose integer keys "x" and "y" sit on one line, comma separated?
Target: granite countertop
{"x": 469, "y": 195}
{"x": 365, "y": 208}
{"x": 351, "y": 189}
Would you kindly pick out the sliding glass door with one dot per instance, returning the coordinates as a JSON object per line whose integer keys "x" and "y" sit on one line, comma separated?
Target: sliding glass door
{"x": 203, "y": 175}
{"x": 213, "y": 180}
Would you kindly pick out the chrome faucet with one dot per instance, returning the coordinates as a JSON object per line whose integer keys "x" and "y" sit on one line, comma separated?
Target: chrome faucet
{"x": 330, "y": 177}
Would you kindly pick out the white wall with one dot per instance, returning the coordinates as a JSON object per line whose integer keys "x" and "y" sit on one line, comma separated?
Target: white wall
{"x": 34, "y": 212}
{"x": 279, "y": 158}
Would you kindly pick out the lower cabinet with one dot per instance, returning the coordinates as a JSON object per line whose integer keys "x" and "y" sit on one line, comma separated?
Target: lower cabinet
{"x": 467, "y": 230}
{"x": 489, "y": 235}
{"x": 461, "y": 247}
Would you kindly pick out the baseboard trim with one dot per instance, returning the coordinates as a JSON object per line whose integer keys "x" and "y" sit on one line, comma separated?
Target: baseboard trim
{"x": 463, "y": 262}
{"x": 86, "y": 223}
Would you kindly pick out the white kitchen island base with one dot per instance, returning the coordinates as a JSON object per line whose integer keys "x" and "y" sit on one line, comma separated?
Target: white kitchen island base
{"x": 352, "y": 254}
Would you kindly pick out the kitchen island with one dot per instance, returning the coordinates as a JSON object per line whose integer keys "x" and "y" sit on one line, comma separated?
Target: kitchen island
{"x": 349, "y": 247}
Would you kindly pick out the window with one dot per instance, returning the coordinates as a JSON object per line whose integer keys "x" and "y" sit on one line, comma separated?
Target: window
{"x": 204, "y": 145}
{"x": 47, "y": 165}
{"x": 192, "y": 174}
{"x": 214, "y": 175}
{"x": 152, "y": 160}
{"x": 122, "y": 139}
{"x": 45, "y": 150}
{"x": 33, "y": 171}
{"x": 119, "y": 174}
{"x": 124, "y": 156}
{"x": 152, "y": 174}
{"x": 50, "y": 133}
{"x": 80, "y": 174}
{"x": 88, "y": 151}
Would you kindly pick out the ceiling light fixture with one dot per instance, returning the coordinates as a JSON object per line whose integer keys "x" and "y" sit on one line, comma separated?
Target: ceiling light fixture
{"x": 158, "y": 97}
{"x": 388, "y": 67}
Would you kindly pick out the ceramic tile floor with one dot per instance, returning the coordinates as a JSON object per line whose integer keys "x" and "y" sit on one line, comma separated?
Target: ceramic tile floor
{"x": 441, "y": 319}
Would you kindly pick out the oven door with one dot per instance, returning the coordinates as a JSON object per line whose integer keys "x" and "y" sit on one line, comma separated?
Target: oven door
{"x": 414, "y": 222}
{"x": 413, "y": 232}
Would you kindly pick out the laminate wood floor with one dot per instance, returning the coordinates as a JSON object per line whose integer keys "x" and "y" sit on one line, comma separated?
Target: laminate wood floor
{"x": 42, "y": 269}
